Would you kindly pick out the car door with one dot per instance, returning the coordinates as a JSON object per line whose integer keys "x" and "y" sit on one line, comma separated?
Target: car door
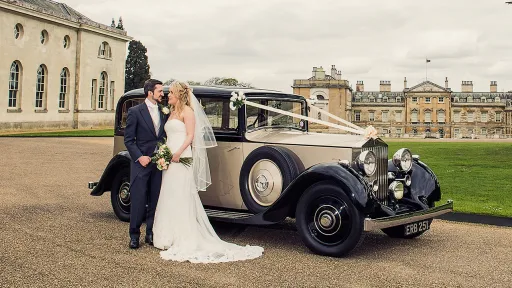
{"x": 226, "y": 159}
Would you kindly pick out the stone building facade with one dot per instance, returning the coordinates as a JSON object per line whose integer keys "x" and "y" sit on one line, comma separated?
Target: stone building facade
{"x": 332, "y": 93}
{"x": 424, "y": 110}
{"x": 59, "y": 69}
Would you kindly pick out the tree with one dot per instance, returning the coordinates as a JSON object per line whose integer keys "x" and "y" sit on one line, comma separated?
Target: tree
{"x": 137, "y": 67}
{"x": 224, "y": 81}
{"x": 168, "y": 82}
{"x": 193, "y": 83}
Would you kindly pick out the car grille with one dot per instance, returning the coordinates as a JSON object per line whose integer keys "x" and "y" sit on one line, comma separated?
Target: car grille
{"x": 382, "y": 172}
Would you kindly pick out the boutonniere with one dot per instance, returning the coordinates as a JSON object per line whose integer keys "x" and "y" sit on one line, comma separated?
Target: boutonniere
{"x": 164, "y": 109}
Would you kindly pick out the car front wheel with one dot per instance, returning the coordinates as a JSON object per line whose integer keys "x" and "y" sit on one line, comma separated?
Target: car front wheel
{"x": 120, "y": 195}
{"x": 327, "y": 221}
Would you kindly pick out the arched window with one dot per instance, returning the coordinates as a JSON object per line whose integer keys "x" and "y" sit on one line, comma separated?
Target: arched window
{"x": 428, "y": 116}
{"x": 64, "y": 86}
{"x": 14, "y": 85}
{"x": 441, "y": 118}
{"x": 320, "y": 97}
{"x": 41, "y": 87}
{"x": 105, "y": 51}
{"x": 414, "y": 115}
{"x": 103, "y": 89}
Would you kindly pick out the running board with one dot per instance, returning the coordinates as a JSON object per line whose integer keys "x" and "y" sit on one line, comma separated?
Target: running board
{"x": 227, "y": 214}
{"x": 244, "y": 217}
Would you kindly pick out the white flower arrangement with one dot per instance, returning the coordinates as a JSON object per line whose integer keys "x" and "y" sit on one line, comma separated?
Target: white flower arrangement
{"x": 164, "y": 109}
{"x": 371, "y": 132}
{"x": 237, "y": 100}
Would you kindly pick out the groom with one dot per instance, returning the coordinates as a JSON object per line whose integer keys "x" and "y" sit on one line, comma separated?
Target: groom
{"x": 144, "y": 128}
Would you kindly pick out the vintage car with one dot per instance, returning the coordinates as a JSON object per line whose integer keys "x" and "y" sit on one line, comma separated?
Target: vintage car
{"x": 268, "y": 167}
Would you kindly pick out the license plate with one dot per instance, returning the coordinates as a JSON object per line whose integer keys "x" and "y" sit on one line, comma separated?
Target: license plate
{"x": 416, "y": 227}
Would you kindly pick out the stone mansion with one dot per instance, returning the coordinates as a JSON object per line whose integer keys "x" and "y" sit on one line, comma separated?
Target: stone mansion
{"x": 423, "y": 110}
{"x": 58, "y": 68}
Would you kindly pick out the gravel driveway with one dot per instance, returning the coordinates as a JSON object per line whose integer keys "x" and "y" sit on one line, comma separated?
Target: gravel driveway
{"x": 54, "y": 234}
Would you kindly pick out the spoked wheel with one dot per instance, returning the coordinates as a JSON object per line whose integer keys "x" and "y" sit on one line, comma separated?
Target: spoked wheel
{"x": 120, "y": 195}
{"x": 327, "y": 221}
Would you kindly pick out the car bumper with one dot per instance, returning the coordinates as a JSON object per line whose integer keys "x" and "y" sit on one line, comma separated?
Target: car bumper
{"x": 392, "y": 221}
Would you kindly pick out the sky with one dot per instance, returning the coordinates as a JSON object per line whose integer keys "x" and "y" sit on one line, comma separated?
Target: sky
{"x": 271, "y": 42}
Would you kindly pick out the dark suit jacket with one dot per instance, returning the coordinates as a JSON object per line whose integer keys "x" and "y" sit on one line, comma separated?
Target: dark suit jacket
{"x": 140, "y": 137}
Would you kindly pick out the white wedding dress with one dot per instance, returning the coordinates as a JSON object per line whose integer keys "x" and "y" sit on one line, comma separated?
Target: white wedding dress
{"x": 182, "y": 228}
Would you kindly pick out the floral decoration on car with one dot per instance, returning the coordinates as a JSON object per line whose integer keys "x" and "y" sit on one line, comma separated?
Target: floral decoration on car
{"x": 237, "y": 100}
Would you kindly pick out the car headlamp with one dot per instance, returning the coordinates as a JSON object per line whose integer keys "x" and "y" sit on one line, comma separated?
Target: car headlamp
{"x": 367, "y": 162}
{"x": 403, "y": 160}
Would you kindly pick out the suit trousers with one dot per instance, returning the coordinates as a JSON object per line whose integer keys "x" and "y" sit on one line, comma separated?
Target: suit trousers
{"x": 145, "y": 189}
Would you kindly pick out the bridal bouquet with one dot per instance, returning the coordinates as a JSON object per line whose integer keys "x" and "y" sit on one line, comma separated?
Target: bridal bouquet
{"x": 163, "y": 157}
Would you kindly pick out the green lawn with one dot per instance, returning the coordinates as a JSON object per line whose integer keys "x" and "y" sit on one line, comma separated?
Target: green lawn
{"x": 71, "y": 133}
{"x": 476, "y": 176}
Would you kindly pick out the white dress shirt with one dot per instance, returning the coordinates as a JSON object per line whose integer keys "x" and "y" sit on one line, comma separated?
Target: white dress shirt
{"x": 155, "y": 115}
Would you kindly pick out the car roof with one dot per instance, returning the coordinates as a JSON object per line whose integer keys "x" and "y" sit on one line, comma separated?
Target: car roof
{"x": 223, "y": 91}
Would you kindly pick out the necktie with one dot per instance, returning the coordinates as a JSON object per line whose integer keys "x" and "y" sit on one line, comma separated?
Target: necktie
{"x": 156, "y": 118}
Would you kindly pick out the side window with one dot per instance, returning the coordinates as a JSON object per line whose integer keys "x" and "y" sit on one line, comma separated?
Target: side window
{"x": 221, "y": 117}
{"x": 127, "y": 105}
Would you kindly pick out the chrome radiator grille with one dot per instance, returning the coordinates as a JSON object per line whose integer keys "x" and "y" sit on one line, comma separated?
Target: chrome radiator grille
{"x": 382, "y": 171}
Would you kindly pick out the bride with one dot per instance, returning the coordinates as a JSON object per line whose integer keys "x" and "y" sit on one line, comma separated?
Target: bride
{"x": 181, "y": 227}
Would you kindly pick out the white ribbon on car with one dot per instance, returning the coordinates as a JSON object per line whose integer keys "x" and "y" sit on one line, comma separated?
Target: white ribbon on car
{"x": 369, "y": 132}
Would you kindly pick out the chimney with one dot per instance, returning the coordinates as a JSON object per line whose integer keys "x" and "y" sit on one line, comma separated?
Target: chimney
{"x": 385, "y": 86}
{"x": 333, "y": 71}
{"x": 467, "y": 86}
{"x": 494, "y": 87}
{"x": 314, "y": 71}
{"x": 405, "y": 82}
{"x": 446, "y": 83}
{"x": 360, "y": 86}
{"x": 338, "y": 75}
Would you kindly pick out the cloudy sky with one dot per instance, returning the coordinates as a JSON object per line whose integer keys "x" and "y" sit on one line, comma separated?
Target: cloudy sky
{"x": 271, "y": 42}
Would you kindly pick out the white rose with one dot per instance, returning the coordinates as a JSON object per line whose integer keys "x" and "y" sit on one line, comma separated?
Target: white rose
{"x": 232, "y": 106}
{"x": 233, "y": 94}
{"x": 165, "y": 110}
{"x": 233, "y": 98}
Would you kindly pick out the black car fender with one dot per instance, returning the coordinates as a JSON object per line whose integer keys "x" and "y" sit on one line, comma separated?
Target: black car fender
{"x": 424, "y": 183}
{"x": 122, "y": 159}
{"x": 352, "y": 184}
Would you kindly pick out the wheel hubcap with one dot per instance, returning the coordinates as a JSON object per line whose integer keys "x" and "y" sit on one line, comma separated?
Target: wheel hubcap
{"x": 124, "y": 197}
{"x": 329, "y": 220}
{"x": 265, "y": 182}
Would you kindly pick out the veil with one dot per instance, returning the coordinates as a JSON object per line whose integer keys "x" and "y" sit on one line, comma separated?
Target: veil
{"x": 203, "y": 138}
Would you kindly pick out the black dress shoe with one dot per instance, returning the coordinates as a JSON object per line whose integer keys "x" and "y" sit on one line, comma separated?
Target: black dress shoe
{"x": 149, "y": 239}
{"x": 134, "y": 243}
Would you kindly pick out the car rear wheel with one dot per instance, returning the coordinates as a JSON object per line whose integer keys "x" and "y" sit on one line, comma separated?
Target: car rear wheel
{"x": 327, "y": 221}
{"x": 120, "y": 195}
{"x": 265, "y": 173}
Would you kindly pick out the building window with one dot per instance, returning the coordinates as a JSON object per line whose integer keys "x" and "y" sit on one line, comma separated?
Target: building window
{"x": 94, "y": 85}
{"x": 41, "y": 87}
{"x": 105, "y": 51}
{"x": 428, "y": 116}
{"x": 18, "y": 31}
{"x": 440, "y": 100}
{"x": 385, "y": 99}
{"x": 483, "y": 117}
{"x": 398, "y": 132}
{"x": 427, "y": 100}
{"x": 357, "y": 116}
{"x": 414, "y": 131}
{"x": 66, "y": 42}
{"x": 414, "y": 116}
{"x": 483, "y": 131}
{"x": 112, "y": 94}
{"x": 414, "y": 99}
{"x": 398, "y": 99}
{"x": 101, "y": 94}
{"x": 456, "y": 132}
{"x": 372, "y": 99}
{"x": 371, "y": 116}
{"x": 483, "y": 99}
{"x": 398, "y": 116}
{"x": 441, "y": 116}
{"x": 497, "y": 100}
{"x": 456, "y": 99}
{"x": 498, "y": 116}
{"x": 471, "y": 117}
{"x": 43, "y": 37}
{"x": 456, "y": 116}
{"x": 469, "y": 99}
{"x": 384, "y": 116}
{"x": 64, "y": 82}
{"x": 14, "y": 85}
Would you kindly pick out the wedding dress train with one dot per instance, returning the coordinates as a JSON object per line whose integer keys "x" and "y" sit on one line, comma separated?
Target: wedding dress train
{"x": 181, "y": 227}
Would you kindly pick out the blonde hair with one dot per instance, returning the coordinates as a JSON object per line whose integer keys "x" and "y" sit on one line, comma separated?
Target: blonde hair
{"x": 182, "y": 90}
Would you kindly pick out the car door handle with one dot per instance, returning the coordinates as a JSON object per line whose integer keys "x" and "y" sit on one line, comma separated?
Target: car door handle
{"x": 231, "y": 149}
